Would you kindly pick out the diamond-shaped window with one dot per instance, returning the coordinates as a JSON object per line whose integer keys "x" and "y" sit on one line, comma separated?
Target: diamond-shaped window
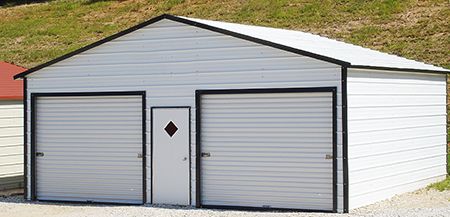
{"x": 171, "y": 128}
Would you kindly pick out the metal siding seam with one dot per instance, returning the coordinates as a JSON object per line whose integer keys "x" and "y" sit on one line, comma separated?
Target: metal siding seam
{"x": 345, "y": 138}
{"x": 25, "y": 145}
{"x": 199, "y": 93}
{"x": 59, "y": 94}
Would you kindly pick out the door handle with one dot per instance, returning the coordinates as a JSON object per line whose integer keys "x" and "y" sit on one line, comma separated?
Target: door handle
{"x": 206, "y": 154}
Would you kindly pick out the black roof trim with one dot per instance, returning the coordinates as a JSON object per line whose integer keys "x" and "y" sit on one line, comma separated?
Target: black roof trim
{"x": 398, "y": 69}
{"x": 188, "y": 22}
{"x": 257, "y": 40}
{"x": 211, "y": 28}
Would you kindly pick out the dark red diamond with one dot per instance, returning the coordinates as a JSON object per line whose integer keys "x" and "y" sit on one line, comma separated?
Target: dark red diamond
{"x": 171, "y": 128}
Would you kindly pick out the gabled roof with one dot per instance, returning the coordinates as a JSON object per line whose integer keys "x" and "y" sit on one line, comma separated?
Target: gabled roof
{"x": 307, "y": 44}
{"x": 9, "y": 88}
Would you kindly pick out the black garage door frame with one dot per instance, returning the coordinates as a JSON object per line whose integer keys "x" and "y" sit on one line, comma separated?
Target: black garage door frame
{"x": 198, "y": 113}
{"x": 33, "y": 171}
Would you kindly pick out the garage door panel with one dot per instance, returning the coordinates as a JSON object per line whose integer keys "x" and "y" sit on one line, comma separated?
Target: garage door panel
{"x": 268, "y": 150}
{"x": 89, "y": 155}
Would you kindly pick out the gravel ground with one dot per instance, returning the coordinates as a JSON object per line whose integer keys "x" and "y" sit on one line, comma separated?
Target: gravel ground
{"x": 422, "y": 203}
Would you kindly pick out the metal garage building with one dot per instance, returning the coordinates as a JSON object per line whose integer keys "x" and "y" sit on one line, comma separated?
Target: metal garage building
{"x": 186, "y": 111}
{"x": 11, "y": 127}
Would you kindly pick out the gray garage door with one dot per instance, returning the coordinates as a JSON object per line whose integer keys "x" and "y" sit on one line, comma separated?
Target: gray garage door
{"x": 267, "y": 150}
{"x": 88, "y": 148}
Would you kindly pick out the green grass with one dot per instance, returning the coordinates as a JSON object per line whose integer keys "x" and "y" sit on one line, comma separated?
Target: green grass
{"x": 441, "y": 186}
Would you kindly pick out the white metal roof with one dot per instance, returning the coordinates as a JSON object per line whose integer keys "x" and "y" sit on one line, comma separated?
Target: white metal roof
{"x": 355, "y": 55}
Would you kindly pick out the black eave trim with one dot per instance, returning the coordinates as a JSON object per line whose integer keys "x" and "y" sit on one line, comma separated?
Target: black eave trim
{"x": 34, "y": 97}
{"x": 398, "y": 69}
{"x": 151, "y": 147}
{"x": 198, "y": 98}
{"x": 185, "y": 21}
{"x": 345, "y": 137}
{"x": 25, "y": 145}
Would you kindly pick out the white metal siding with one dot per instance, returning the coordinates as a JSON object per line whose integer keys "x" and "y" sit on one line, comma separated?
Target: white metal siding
{"x": 90, "y": 146}
{"x": 397, "y": 133}
{"x": 267, "y": 150}
{"x": 11, "y": 142}
{"x": 187, "y": 58}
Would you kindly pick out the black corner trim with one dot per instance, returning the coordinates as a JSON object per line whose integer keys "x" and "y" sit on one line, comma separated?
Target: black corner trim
{"x": 144, "y": 145}
{"x": 25, "y": 143}
{"x": 198, "y": 97}
{"x": 151, "y": 147}
{"x": 345, "y": 137}
{"x": 188, "y": 22}
{"x": 34, "y": 97}
{"x": 399, "y": 69}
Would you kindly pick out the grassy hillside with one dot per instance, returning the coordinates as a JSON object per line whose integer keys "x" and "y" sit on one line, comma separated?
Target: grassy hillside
{"x": 35, "y": 33}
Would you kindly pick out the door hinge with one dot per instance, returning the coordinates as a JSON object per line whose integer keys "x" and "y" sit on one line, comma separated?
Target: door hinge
{"x": 139, "y": 155}
{"x": 328, "y": 156}
{"x": 39, "y": 154}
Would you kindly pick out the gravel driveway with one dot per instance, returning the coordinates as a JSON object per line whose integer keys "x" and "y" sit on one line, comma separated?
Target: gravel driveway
{"x": 421, "y": 203}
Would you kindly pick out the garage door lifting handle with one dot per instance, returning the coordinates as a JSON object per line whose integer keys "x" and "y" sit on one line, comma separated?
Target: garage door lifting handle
{"x": 39, "y": 154}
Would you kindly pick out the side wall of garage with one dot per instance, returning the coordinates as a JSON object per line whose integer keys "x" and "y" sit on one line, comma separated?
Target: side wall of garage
{"x": 397, "y": 133}
{"x": 171, "y": 60}
{"x": 11, "y": 144}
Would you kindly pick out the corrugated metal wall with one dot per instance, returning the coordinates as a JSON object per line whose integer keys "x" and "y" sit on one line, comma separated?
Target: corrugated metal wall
{"x": 268, "y": 150}
{"x": 171, "y": 60}
{"x": 11, "y": 144}
{"x": 397, "y": 133}
{"x": 90, "y": 146}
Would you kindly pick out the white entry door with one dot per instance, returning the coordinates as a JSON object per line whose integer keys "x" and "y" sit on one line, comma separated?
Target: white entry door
{"x": 170, "y": 151}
